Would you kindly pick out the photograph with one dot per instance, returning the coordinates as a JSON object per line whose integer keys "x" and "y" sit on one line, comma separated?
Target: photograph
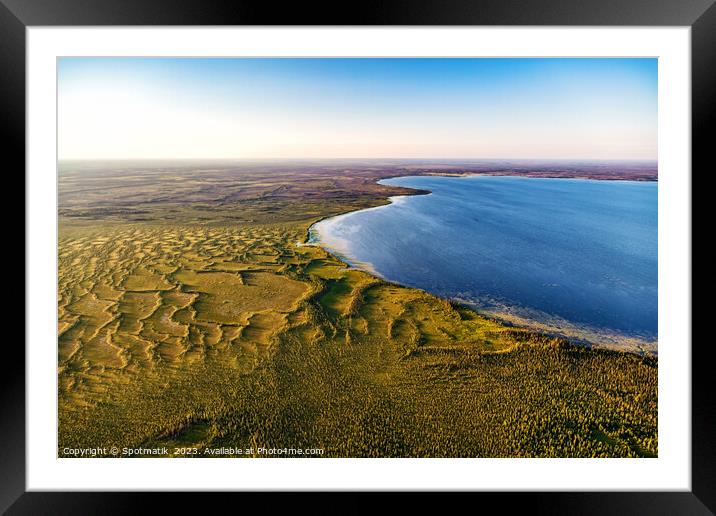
{"x": 357, "y": 257}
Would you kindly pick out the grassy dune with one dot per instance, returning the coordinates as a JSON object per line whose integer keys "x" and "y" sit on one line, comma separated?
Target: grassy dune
{"x": 194, "y": 318}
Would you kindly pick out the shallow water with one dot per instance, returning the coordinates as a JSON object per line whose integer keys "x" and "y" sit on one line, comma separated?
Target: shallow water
{"x": 560, "y": 253}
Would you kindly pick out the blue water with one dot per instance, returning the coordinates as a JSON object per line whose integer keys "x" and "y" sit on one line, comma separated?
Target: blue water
{"x": 579, "y": 251}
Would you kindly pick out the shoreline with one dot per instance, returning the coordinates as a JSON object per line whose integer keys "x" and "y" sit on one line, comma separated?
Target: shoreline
{"x": 587, "y": 177}
{"x": 634, "y": 345}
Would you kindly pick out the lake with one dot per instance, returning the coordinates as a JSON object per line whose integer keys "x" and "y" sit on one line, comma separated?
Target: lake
{"x": 570, "y": 256}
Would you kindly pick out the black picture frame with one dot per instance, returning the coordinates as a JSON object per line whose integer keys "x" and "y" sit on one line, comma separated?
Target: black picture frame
{"x": 17, "y": 15}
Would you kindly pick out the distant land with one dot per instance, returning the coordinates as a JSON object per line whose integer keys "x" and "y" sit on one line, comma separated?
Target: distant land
{"x": 607, "y": 170}
{"x": 630, "y": 170}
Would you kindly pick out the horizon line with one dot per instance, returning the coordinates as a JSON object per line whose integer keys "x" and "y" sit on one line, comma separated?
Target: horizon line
{"x": 653, "y": 160}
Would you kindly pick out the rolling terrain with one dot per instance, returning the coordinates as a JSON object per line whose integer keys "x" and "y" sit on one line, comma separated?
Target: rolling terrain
{"x": 192, "y": 314}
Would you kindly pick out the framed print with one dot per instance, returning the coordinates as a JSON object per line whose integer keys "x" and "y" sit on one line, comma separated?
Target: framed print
{"x": 415, "y": 249}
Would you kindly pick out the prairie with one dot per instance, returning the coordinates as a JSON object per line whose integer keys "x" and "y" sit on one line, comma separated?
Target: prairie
{"x": 191, "y": 313}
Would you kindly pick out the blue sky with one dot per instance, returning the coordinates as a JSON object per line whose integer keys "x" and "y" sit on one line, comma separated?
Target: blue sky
{"x": 130, "y": 108}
